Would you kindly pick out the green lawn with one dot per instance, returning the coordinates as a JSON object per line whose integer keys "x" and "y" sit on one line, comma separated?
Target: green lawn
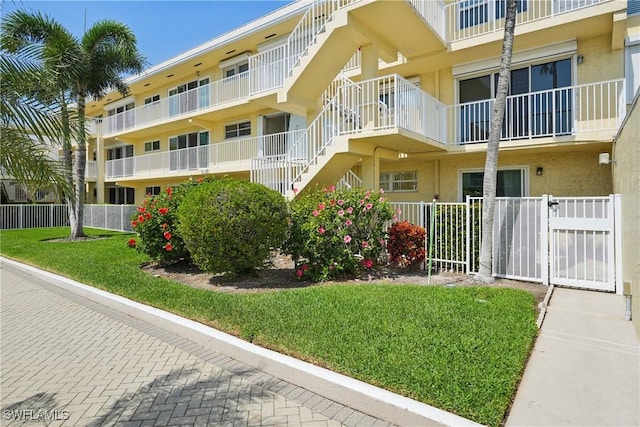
{"x": 460, "y": 349}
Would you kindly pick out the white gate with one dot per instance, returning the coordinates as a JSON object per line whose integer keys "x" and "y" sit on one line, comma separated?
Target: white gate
{"x": 581, "y": 242}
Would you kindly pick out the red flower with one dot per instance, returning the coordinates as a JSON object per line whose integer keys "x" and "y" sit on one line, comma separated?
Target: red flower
{"x": 132, "y": 243}
{"x": 169, "y": 190}
{"x": 147, "y": 215}
{"x": 168, "y": 247}
{"x": 299, "y": 273}
{"x": 367, "y": 263}
{"x": 134, "y": 223}
{"x": 167, "y": 235}
{"x": 163, "y": 211}
{"x": 165, "y": 226}
{"x": 141, "y": 209}
{"x": 140, "y": 219}
{"x": 305, "y": 267}
{"x": 200, "y": 180}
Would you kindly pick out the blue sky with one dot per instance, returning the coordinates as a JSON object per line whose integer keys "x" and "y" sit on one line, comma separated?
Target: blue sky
{"x": 163, "y": 28}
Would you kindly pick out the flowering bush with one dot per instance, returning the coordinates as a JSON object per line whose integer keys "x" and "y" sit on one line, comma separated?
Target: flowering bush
{"x": 232, "y": 226}
{"x": 155, "y": 222}
{"x": 336, "y": 233}
{"x": 406, "y": 244}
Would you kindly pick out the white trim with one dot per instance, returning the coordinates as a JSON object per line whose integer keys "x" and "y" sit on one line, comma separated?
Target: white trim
{"x": 120, "y": 103}
{"x": 524, "y": 57}
{"x": 632, "y": 40}
{"x": 238, "y": 59}
{"x": 273, "y": 43}
{"x": 523, "y": 168}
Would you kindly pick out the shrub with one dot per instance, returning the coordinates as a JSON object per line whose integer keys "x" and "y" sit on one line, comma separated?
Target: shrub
{"x": 336, "y": 232}
{"x": 155, "y": 222}
{"x": 232, "y": 226}
{"x": 405, "y": 244}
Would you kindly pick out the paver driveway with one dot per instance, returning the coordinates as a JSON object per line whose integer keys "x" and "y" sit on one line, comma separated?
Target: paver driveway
{"x": 66, "y": 360}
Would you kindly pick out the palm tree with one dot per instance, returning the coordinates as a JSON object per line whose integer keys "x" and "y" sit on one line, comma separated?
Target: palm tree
{"x": 26, "y": 121}
{"x": 87, "y": 67}
{"x": 484, "y": 274}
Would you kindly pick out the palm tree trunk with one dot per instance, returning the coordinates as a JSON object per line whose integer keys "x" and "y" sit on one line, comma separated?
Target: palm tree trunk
{"x": 68, "y": 166}
{"x": 81, "y": 162}
{"x": 491, "y": 163}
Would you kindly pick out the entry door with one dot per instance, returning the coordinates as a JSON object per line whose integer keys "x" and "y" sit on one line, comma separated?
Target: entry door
{"x": 277, "y": 142}
{"x": 582, "y": 242}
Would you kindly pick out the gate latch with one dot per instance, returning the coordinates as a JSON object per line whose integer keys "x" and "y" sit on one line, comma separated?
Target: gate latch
{"x": 553, "y": 204}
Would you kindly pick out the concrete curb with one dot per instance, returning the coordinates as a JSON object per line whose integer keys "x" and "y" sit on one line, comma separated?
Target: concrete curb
{"x": 350, "y": 392}
{"x": 543, "y": 306}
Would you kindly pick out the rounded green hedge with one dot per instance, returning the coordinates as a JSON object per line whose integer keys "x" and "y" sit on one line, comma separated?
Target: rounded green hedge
{"x": 231, "y": 226}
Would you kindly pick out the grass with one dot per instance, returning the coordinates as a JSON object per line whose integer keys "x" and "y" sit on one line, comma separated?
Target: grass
{"x": 460, "y": 349}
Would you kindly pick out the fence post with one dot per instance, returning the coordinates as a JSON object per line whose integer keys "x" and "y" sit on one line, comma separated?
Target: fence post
{"x": 544, "y": 239}
{"x": 51, "y": 223}
{"x": 20, "y": 216}
{"x": 616, "y": 232}
{"x": 468, "y": 234}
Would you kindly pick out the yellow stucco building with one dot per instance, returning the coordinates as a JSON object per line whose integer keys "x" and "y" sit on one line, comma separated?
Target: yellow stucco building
{"x": 384, "y": 94}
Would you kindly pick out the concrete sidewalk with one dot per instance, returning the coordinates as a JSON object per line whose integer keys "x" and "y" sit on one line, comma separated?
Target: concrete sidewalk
{"x": 585, "y": 366}
{"x": 74, "y": 355}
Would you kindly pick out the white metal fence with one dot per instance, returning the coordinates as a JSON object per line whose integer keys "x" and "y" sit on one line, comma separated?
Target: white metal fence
{"x": 108, "y": 217}
{"x": 565, "y": 241}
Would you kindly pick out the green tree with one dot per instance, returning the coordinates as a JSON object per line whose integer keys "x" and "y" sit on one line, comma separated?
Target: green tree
{"x": 77, "y": 68}
{"x": 491, "y": 163}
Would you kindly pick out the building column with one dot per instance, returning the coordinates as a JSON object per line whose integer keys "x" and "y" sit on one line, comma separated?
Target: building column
{"x": 100, "y": 165}
{"x": 370, "y": 93}
{"x": 370, "y": 167}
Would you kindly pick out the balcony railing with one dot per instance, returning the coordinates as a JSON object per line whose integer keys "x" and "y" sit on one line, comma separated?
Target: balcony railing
{"x": 552, "y": 113}
{"x": 219, "y": 92}
{"x": 91, "y": 171}
{"x": 235, "y": 154}
{"x": 471, "y": 18}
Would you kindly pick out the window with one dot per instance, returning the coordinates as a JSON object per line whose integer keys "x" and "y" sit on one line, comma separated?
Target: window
{"x": 539, "y": 103}
{"x": 399, "y": 181}
{"x": 237, "y": 129}
{"x": 475, "y": 12}
{"x": 189, "y": 151}
{"x": 632, "y": 65}
{"x": 510, "y": 183}
{"x": 151, "y": 146}
{"x": 236, "y": 69}
{"x": 189, "y": 96}
{"x": 152, "y": 100}
{"x": 121, "y": 195}
{"x": 152, "y": 191}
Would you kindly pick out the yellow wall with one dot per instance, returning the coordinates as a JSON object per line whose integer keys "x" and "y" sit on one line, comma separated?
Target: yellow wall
{"x": 565, "y": 173}
{"x": 600, "y": 62}
{"x": 626, "y": 182}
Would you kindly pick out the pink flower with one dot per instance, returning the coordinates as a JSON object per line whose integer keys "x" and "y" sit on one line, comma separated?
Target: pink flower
{"x": 295, "y": 190}
{"x": 304, "y": 267}
{"x": 365, "y": 244}
{"x": 340, "y": 202}
{"x": 367, "y": 263}
{"x": 165, "y": 226}
{"x": 331, "y": 267}
{"x": 299, "y": 273}
{"x": 395, "y": 218}
{"x": 381, "y": 191}
{"x": 347, "y": 239}
{"x": 341, "y": 212}
{"x": 315, "y": 213}
{"x": 361, "y": 202}
{"x": 381, "y": 199}
{"x": 348, "y": 222}
{"x": 321, "y": 230}
{"x": 321, "y": 206}
{"x": 369, "y": 206}
{"x": 332, "y": 188}
{"x": 399, "y": 211}
{"x": 349, "y": 209}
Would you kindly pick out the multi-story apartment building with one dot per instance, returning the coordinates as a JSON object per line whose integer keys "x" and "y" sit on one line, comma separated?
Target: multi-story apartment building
{"x": 390, "y": 94}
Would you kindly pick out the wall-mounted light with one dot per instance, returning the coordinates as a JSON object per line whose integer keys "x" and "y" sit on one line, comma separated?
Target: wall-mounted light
{"x": 604, "y": 159}
{"x": 539, "y": 170}
{"x": 580, "y": 59}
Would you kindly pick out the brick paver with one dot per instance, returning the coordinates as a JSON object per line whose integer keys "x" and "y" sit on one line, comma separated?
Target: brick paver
{"x": 66, "y": 360}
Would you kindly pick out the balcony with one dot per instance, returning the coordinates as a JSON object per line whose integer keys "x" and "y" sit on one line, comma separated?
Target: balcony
{"x": 567, "y": 111}
{"x": 227, "y": 156}
{"x": 472, "y": 18}
{"x": 220, "y": 92}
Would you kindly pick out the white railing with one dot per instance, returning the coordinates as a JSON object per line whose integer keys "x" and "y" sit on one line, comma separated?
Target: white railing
{"x": 210, "y": 95}
{"x": 91, "y": 172}
{"x": 268, "y": 69}
{"x": 108, "y": 217}
{"x": 349, "y": 180}
{"x": 466, "y": 19}
{"x": 557, "y": 112}
{"x": 236, "y": 153}
{"x": 93, "y": 125}
{"x": 375, "y": 104}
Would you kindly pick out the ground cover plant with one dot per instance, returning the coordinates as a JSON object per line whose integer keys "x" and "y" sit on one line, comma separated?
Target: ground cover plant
{"x": 460, "y": 349}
